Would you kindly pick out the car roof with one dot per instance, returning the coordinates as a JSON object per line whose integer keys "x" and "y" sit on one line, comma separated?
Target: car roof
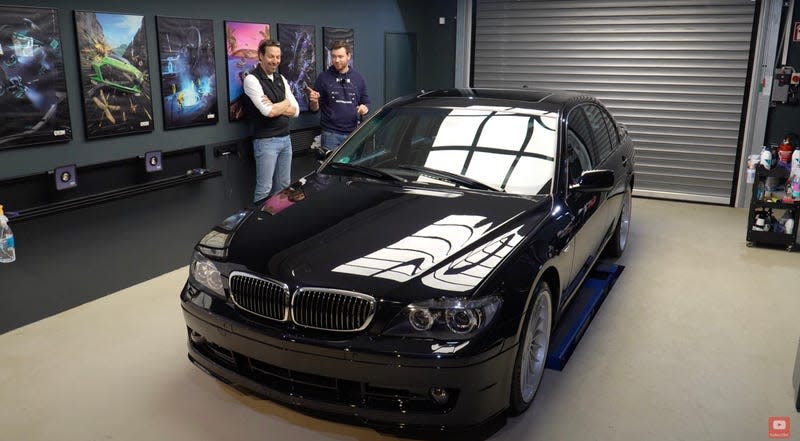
{"x": 543, "y": 99}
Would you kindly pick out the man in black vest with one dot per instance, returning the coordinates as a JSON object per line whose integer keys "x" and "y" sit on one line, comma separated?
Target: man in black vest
{"x": 270, "y": 105}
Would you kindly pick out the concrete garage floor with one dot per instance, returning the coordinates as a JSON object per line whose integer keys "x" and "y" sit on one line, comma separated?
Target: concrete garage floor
{"x": 696, "y": 342}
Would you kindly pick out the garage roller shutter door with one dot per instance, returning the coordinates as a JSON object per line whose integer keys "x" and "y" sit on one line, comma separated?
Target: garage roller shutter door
{"x": 674, "y": 72}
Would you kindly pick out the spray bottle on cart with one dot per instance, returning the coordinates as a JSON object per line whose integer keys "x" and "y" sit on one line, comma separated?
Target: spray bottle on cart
{"x": 7, "y": 252}
{"x": 766, "y": 157}
{"x": 793, "y": 184}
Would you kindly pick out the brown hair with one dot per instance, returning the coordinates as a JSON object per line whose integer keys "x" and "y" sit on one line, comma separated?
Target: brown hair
{"x": 264, "y": 44}
{"x": 339, "y": 44}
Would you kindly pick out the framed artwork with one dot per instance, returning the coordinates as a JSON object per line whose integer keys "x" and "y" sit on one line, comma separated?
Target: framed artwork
{"x": 298, "y": 59}
{"x": 33, "y": 88}
{"x": 241, "y": 55}
{"x": 115, "y": 74}
{"x": 329, "y": 35}
{"x": 188, "y": 71}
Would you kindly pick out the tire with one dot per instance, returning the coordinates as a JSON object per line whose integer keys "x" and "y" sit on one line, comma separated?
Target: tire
{"x": 532, "y": 353}
{"x": 619, "y": 240}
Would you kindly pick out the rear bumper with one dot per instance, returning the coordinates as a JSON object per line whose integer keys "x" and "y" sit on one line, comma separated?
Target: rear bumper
{"x": 386, "y": 391}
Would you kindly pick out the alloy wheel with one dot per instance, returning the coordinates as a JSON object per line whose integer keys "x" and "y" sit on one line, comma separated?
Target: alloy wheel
{"x": 625, "y": 220}
{"x": 537, "y": 339}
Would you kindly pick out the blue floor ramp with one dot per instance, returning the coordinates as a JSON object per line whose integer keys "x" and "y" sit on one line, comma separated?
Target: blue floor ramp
{"x": 580, "y": 313}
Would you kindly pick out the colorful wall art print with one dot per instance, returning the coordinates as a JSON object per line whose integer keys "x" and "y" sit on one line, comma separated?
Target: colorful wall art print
{"x": 33, "y": 90}
{"x": 298, "y": 59}
{"x": 241, "y": 51}
{"x": 329, "y": 35}
{"x": 188, "y": 71}
{"x": 115, "y": 74}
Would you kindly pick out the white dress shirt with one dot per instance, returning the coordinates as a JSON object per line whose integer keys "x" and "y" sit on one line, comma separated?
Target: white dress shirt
{"x": 253, "y": 89}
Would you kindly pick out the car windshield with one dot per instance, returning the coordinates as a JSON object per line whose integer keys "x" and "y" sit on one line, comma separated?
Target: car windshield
{"x": 482, "y": 147}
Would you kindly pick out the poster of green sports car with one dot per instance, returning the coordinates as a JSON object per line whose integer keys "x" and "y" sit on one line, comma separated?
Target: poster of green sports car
{"x": 115, "y": 75}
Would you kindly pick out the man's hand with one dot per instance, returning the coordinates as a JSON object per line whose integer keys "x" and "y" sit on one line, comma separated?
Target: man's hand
{"x": 290, "y": 109}
{"x": 313, "y": 98}
{"x": 362, "y": 109}
{"x": 265, "y": 99}
{"x": 313, "y": 95}
{"x": 280, "y": 108}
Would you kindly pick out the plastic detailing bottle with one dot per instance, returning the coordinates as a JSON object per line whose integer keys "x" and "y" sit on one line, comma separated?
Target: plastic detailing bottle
{"x": 794, "y": 187}
{"x": 795, "y": 167}
{"x": 760, "y": 191}
{"x": 766, "y": 157}
{"x": 7, "y": 252}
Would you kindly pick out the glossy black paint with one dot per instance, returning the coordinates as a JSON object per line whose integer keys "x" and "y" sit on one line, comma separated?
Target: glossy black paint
{"x": 318, "y": 239}
{"x": 343, "y": 218}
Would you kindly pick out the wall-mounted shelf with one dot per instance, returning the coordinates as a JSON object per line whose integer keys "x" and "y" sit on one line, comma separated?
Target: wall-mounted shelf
{"x": 31, "y": 196}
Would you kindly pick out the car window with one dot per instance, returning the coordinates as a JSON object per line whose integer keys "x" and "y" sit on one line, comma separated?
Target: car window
{"x": 611, "y": 126}
{"x": 579, "y": 139}
{"x": 512, "y": 149}
{"x": 601, "y": 148}
{"x": 578, "y": 159}
{"x": 379, "y": 140}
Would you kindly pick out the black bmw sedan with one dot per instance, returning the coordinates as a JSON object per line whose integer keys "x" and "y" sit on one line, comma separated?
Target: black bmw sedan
{"x": 415, "y": 277}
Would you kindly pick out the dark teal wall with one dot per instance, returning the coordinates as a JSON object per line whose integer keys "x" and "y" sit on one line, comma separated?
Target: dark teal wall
{"x": 370, "y": 19}
{"x": 66, "y": 259}
{"x": 785, "y": 118}
{"x": 435, "y": 42}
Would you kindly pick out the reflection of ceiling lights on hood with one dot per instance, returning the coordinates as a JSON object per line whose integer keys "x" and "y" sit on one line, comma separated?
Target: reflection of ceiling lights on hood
{"x": 464, "y": 274}
{"x": 415, "y": 253}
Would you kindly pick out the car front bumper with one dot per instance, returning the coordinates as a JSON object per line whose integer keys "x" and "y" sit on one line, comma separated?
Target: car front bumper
{"x": 381, "y": 390}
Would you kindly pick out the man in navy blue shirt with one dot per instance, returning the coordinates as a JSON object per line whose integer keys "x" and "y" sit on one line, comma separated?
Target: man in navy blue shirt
{"x": 340, "y": 94}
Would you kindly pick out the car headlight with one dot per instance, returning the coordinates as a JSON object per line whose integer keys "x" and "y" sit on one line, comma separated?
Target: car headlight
{"x": 231, "y": 222}
{"x": 215, "y": 242}
{"x": 445, "y": 318}
{"x": 206, "y": 273}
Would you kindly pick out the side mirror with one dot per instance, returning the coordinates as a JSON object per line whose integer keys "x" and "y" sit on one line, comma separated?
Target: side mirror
{"x": 322, "y": 154}
{"x": 595, "y": 180}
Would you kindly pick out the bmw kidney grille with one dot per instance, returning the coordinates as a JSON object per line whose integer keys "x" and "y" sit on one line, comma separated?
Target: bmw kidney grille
{"x": 317, "y": 308}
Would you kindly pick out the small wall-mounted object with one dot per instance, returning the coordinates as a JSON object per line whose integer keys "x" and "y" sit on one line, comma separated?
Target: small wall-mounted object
{"x": 227, "y": 149}
{"x": 784, "y": 90}
{"x": 30, "y": 196}
{"x": 65, "y": 177}
{"x": 152, "y": 161}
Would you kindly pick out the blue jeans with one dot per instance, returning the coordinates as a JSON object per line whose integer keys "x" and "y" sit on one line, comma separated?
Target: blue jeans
{"x": 273, "y": 165}
{"x": 332, "y": 140}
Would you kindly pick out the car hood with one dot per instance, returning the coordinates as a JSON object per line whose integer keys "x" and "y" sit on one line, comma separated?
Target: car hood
{"x": 382, "y": 238}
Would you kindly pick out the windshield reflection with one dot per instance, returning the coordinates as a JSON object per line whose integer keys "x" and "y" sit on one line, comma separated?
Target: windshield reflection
{"x": 510, "y": 149}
